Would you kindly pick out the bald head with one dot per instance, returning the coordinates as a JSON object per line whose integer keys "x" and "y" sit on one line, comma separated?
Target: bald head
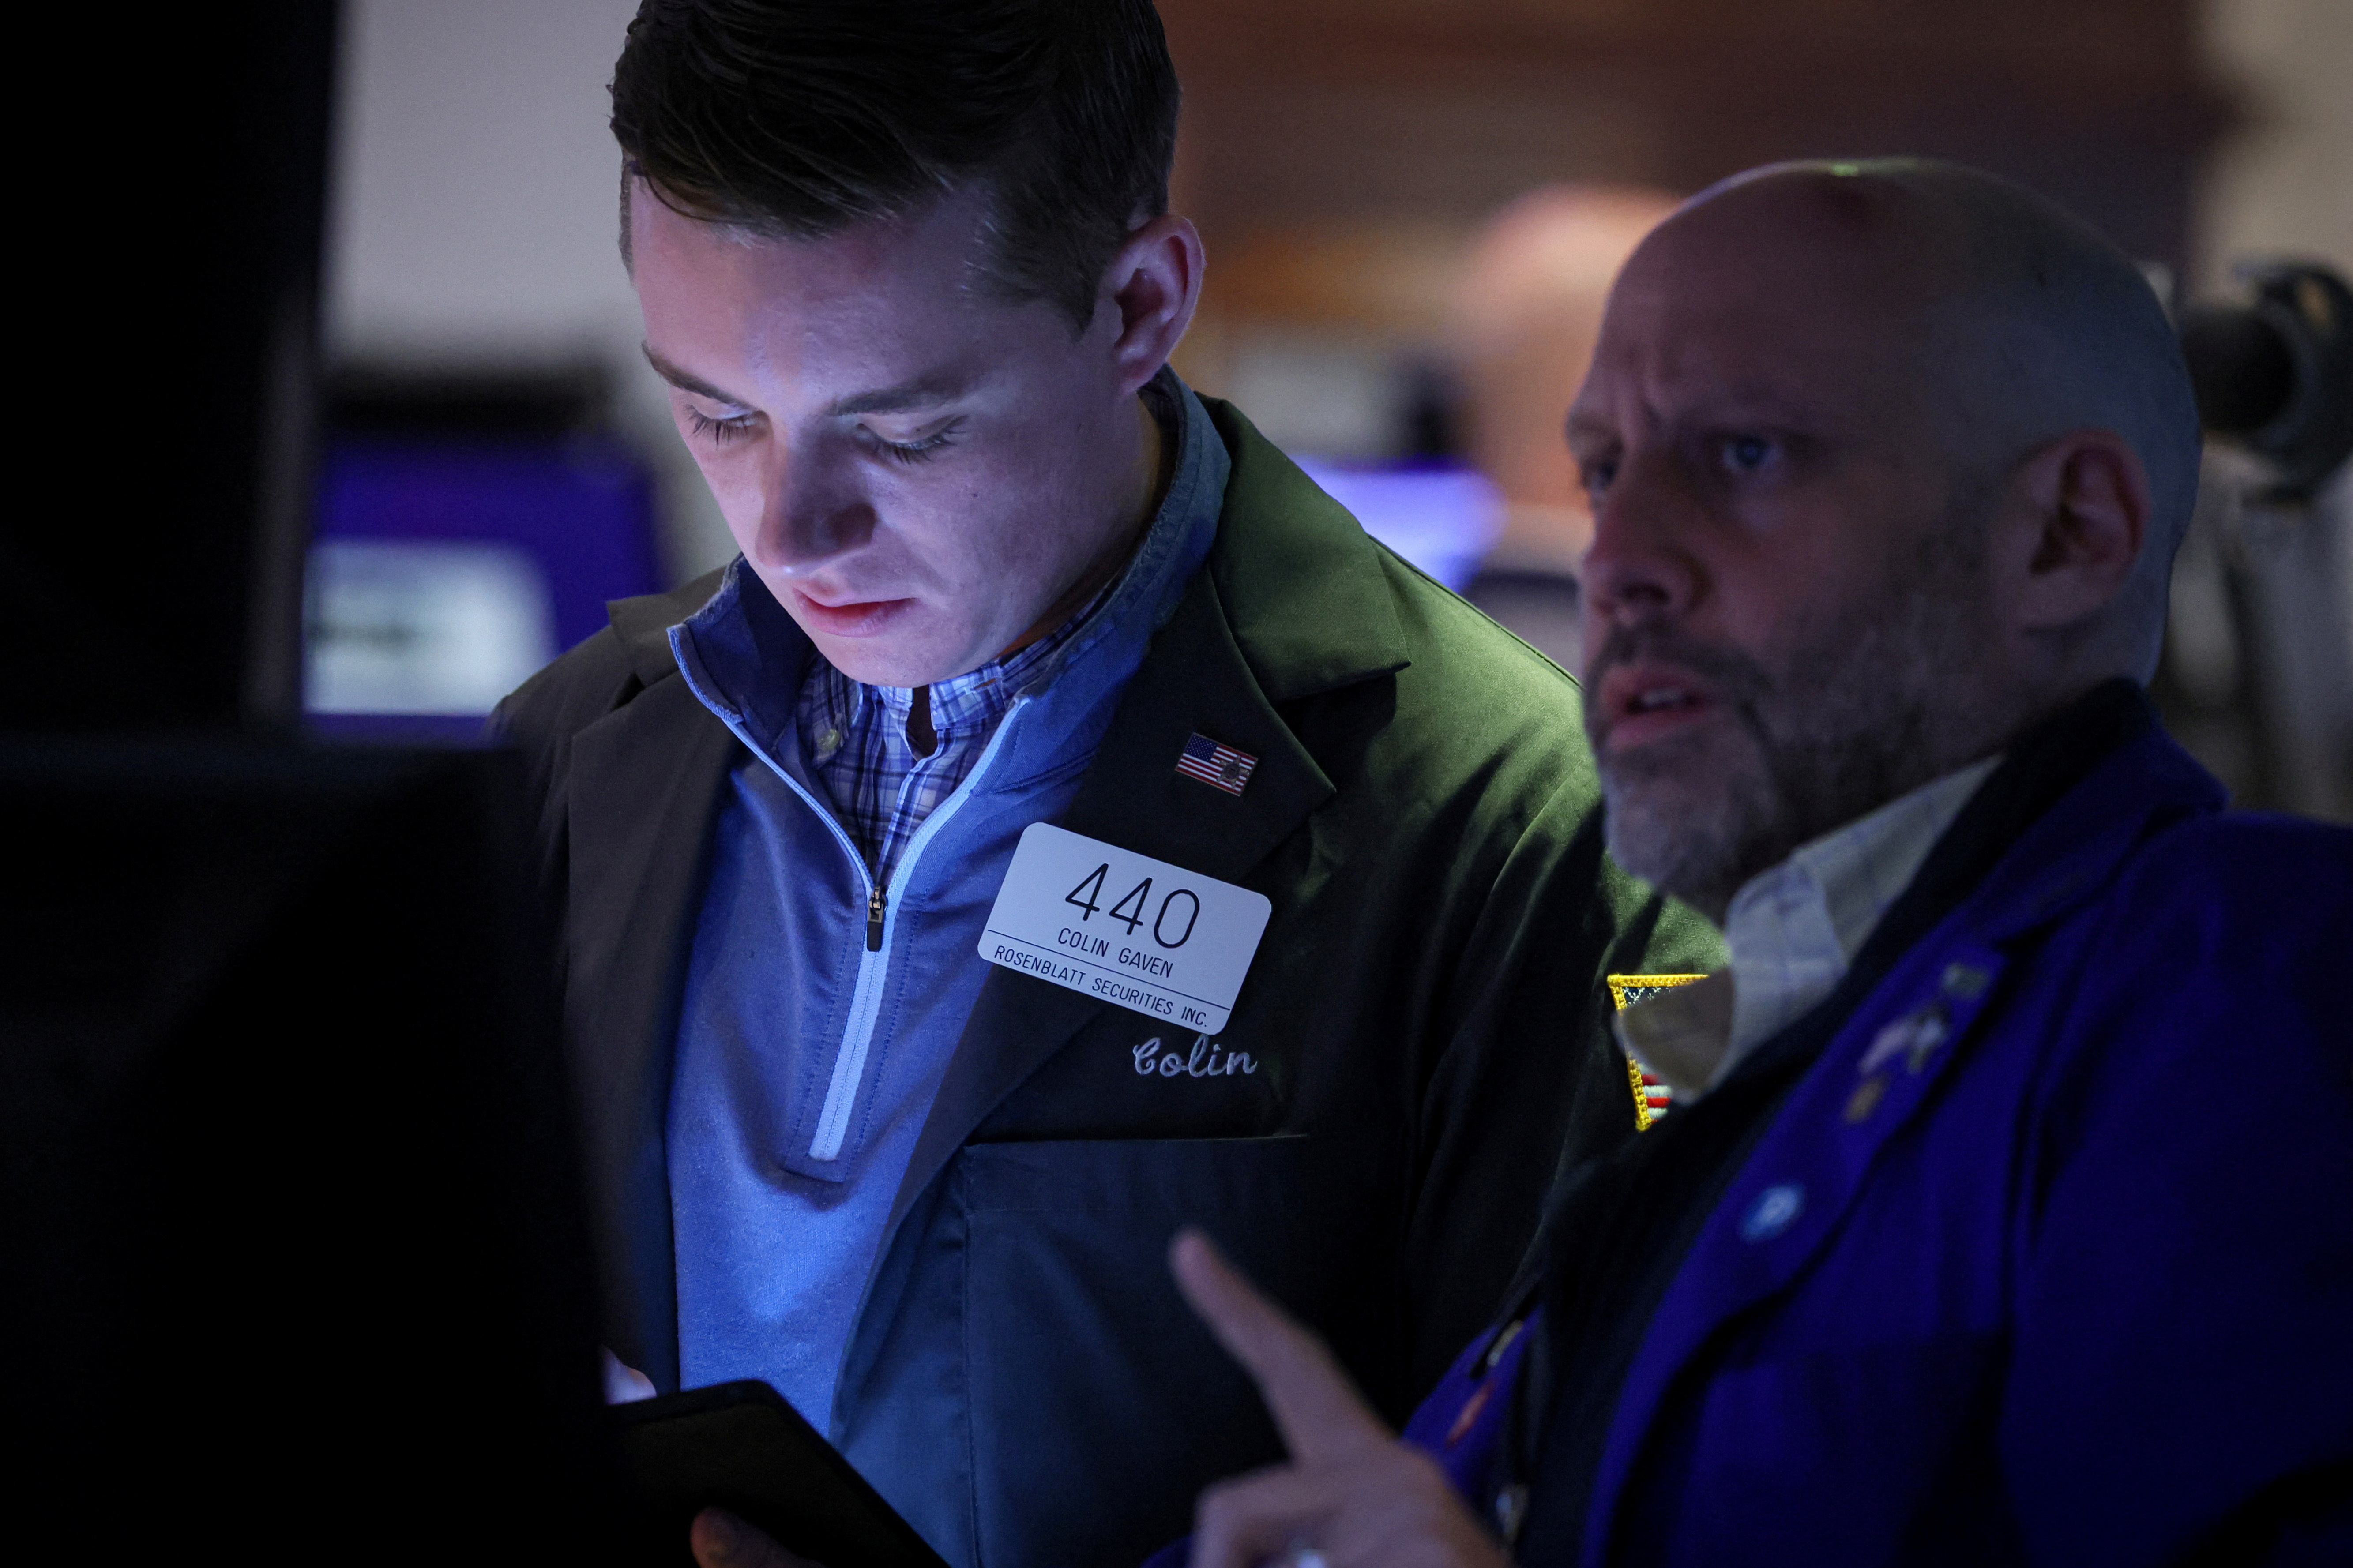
{"x": 2016, "y": 322}
{"x": 1887, "y": 461}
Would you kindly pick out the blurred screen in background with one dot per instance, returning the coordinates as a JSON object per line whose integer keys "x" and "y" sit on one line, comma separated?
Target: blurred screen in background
{"x": 470, "y": 529}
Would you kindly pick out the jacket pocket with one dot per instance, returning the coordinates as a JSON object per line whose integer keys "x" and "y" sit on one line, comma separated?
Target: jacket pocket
{"x": 1100, "y": 1404}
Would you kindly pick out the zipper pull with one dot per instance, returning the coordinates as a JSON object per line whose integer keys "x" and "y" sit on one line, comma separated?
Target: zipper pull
{"x": 874, "y": 920}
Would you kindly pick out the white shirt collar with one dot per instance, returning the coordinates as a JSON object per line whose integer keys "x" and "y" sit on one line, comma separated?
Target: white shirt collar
{"x": 1792, "y": 931}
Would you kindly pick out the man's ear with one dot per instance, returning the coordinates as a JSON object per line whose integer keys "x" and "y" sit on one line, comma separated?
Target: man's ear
{"x": 2080, "y": 512}
{"x": 1153, "y": 283}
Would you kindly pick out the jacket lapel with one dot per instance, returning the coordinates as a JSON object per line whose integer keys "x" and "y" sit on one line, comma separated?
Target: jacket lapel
{"x": 1194, "y": 679}
{"x": 643, "y": 792}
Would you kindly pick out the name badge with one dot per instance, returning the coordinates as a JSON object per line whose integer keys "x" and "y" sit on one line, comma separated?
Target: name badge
{"x": 1135, "y": 931}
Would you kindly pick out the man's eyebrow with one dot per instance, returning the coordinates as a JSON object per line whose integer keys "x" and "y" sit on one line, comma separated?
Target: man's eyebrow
{"x": 1733, "y": 401}
{"x": 686, "y": 381}
{"x": 1763, "y": 397}
{"x": 921, "y": 392}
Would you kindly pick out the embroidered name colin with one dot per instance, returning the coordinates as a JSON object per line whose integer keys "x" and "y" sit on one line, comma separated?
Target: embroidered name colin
{"x": 1206, "y": 1060}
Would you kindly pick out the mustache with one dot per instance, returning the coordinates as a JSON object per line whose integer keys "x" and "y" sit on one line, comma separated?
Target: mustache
{"x": 1738, "y": 679}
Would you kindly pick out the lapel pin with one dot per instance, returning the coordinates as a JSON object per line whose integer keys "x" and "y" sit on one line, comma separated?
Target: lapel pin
{"x": 1219, "y": 766}
{"x": 1654, "y": 1097}
{"x": 1866, "y": 1098}
{"x": 1916, "y": 1035}
{"x": 1965, "y": 981}
{"x": 1775, "y": 1210}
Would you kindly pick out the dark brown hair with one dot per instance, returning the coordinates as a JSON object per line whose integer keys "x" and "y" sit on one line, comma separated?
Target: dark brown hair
{"x": 799, "y": 117}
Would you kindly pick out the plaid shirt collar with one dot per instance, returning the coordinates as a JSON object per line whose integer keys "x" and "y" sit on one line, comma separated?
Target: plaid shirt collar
{"x": 855, "y": 738}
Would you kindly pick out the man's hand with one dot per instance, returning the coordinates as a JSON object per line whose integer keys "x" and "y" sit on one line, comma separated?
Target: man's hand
{"x": 1353, "y": 1496}
{"x": 623, "y": 1383}
{"x": 723, "y": 1541}
{"x": 720, "y": 1539}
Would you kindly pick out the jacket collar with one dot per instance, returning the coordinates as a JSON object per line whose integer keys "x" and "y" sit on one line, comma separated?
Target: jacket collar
{"x": 643, "y": 624}
{"x": 2049, "y": 855}
{"x": 1304, "y": 593}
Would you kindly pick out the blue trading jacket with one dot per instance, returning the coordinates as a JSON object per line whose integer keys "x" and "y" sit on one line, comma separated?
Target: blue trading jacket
{"x": 2048, "y": 1257}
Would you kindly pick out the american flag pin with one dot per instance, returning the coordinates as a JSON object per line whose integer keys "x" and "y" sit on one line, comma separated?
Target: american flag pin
{"x": 1654, "y": 1097}
{"x": 1212, "y": 763}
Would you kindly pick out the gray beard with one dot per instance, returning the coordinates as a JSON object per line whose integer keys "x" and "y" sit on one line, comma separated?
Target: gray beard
{"x": 1856, "y": 715}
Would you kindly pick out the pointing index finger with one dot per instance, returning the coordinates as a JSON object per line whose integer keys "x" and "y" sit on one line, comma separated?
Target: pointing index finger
{"x": 1315, "y": 1407}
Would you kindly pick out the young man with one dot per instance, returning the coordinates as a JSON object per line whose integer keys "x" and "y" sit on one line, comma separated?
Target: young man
{"x": 893, "y": 1096}
{"x": 2006, "y": 1215}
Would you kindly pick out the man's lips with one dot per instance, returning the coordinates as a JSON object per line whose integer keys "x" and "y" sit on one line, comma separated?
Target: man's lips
{"x": 1641, "y": 702}
{"x": 847, "y": 618}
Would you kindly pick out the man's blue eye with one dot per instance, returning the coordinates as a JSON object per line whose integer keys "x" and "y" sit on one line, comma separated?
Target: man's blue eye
{"x": 1747, "y": 453}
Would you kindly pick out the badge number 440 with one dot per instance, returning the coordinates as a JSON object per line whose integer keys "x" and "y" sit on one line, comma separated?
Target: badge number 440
{"x": 1135, "y": 931}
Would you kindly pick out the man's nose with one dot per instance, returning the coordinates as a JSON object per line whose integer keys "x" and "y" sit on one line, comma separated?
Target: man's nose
{"x": 811, "y": 509}
{"x": 1640, "y": 565}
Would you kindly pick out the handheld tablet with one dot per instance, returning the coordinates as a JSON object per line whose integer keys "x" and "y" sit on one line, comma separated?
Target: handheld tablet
{"x": 740, "y": 1446}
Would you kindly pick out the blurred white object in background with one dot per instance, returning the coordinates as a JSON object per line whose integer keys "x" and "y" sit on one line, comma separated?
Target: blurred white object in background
{"x": 1338, "y": 397}
{"x": 474, "y": 223}
{"x": 440, "y": 627}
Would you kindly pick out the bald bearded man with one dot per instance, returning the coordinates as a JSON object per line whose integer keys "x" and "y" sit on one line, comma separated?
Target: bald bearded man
{"x": 2006, "y": 1213}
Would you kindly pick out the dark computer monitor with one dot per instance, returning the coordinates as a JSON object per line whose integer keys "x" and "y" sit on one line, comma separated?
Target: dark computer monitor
{"x": 297, "y": 1256}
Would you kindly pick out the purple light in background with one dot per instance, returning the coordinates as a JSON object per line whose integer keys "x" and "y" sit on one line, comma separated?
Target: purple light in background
{"x": 1441, "y": 519}
{"x": 444, "y": 572}
{"x": 583, "y": 509}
